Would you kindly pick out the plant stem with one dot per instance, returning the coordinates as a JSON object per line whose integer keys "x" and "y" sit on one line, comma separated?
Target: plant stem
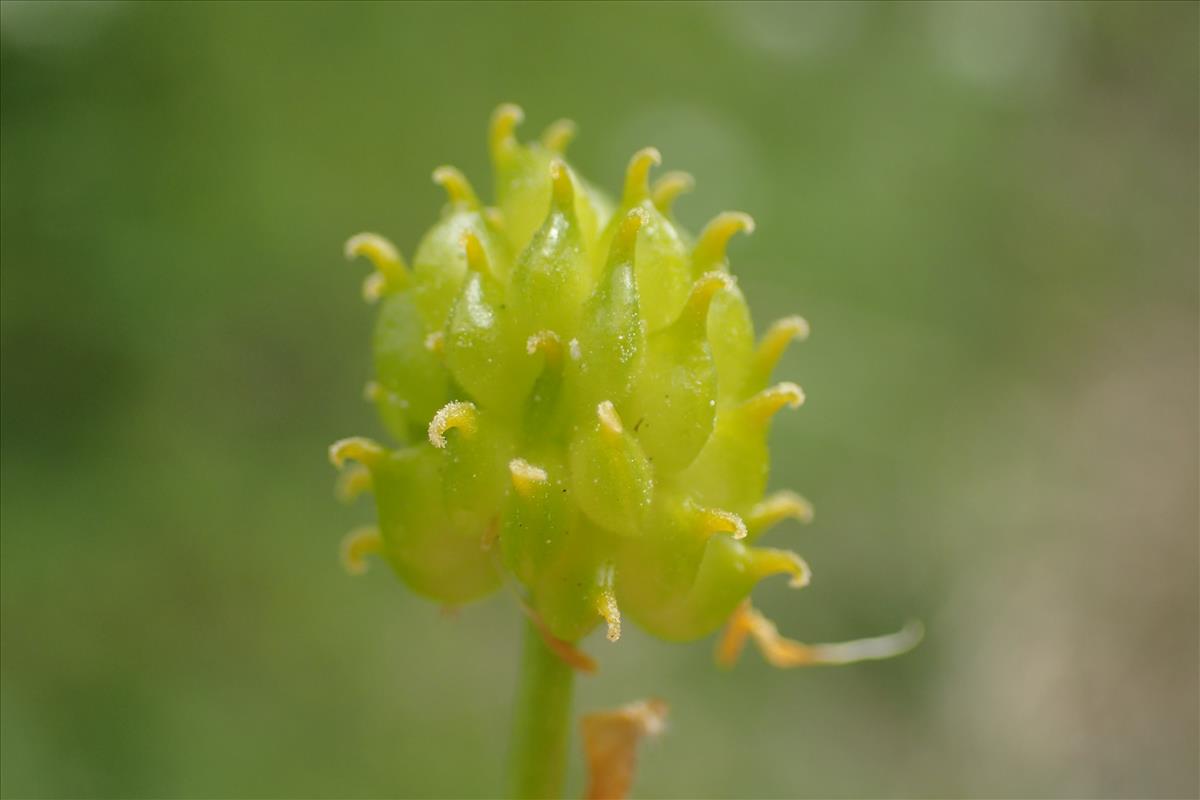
{"x": 543, "y": 721}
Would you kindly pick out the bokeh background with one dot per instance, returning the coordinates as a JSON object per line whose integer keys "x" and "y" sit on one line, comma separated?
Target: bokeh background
{"x": 987, "y": 211}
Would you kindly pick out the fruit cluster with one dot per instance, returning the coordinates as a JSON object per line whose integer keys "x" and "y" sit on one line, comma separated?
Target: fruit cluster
{"x": 579, "y": 401}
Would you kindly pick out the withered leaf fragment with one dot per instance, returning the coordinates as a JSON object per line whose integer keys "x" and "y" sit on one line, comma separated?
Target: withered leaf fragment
{"x": 610, "y": 741}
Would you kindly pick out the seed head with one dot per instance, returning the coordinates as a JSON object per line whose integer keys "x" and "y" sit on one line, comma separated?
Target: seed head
{"x": 578, "y": 402}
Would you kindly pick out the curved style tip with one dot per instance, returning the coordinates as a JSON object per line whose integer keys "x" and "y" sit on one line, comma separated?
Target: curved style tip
{"x": 776, "y": 508}
{"x": 606, "y": 603}
{"x": 374, "y": 286}
{"x": 352, "y": 483}
{"x": 625, "y": 240}
{"x": 710, "y": 247}
{"x": 799, "y": 569}
{"x": 390, "y": 269}
{"x": 375, "y": 247}
{"x": 703, "y": 291}
{"x": 357, "y": 545}
{"x": 768, "y": 561}
{"x": 610, "y": 423}
{"x": 548, "y": 344}
{"x": 637, "y": 175}
{"x": 477, "y": 260}
{"x": 502, "y": 138}
{"x": 562, "y": 188}
{"x": 458, "y": 415}
{"x": 558, "y": 135}
{"x": 712, "y": 521}
{"x": 770, "y": 401}
{"x": 458, "y": 188}
{"x": 790, "y": 328}
{"x": 774, "y": 342}
{"x": 356, "y": 448}
{"x": 526, "y": 478}
{"x": 666, "y": 190}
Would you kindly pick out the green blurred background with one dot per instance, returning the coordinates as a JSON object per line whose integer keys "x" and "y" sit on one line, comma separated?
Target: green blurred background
{"x": 988, "y": 213}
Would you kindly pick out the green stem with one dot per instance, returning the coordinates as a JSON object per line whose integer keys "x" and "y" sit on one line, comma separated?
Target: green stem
{"x": 543, "y": 721}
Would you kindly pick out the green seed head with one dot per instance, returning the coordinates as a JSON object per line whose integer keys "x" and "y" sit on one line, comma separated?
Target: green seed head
{"x": 578, "y": 400}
